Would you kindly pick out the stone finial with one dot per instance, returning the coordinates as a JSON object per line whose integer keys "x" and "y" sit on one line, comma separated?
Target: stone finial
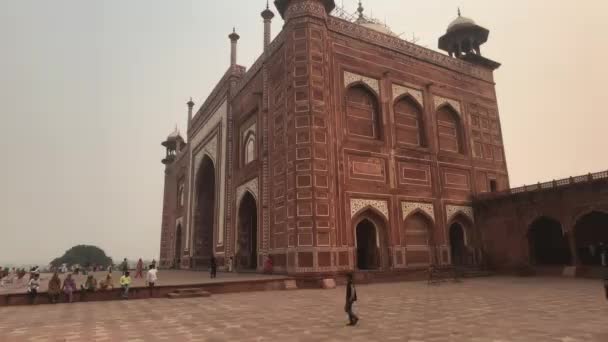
{"x": 267, "y": 14}
{"x": 234, "y": 36}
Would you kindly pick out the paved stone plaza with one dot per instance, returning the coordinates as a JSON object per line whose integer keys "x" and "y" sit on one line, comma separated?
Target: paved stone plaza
{"x": 490, "y": 309}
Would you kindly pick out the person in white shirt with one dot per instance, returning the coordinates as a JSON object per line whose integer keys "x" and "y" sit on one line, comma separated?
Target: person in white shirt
{"x": 151, "y": 276}
{"x": 32, "y": 287}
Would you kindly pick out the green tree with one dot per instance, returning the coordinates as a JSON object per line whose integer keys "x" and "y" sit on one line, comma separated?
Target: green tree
{"x": 83, "y": 255}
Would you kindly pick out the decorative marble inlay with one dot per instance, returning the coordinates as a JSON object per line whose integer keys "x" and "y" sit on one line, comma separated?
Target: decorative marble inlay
{"x": 350, "y": 78}
{"x": 408, "y": 207}
{"x": 358, "y": 204}
{"x": 440, "y": 101}
{"x": 399, "y": 90}
{"x": 452, "y": 210}
{"x": 251, "y": 186}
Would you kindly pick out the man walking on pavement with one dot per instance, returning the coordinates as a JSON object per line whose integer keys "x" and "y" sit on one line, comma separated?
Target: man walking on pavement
{"x": 351, "y": 298}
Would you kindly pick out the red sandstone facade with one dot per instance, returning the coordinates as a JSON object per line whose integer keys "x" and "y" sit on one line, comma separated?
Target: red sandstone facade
{"x": 342, "y": 148}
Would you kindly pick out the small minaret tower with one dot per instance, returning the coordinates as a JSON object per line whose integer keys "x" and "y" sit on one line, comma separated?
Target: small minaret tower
{"x": 173, "y": 145}
{"x": 234, "y": 38}
{"x": 463, "y": 40}
{"x": 190, "y": 108}
{"x": 267, "y": 15}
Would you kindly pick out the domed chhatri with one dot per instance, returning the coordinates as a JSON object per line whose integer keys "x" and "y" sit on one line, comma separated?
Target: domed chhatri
{"x": 463, "y": 40}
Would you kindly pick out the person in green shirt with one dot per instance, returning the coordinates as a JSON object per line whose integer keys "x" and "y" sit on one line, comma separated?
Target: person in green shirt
{"x": 125, "y": 283}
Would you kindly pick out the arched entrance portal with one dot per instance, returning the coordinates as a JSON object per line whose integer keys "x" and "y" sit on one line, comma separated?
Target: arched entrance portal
{"x": 178, "y": 247}
{"x": 367, "y": 246}
{"x": 205, "y": 212}
{"x": 247, "y": 237}
{"x": 371, "y": 242}
{"x": 548, "y": 245}
{"x": 589, "y": 231}
{"x": 458, "y": 246}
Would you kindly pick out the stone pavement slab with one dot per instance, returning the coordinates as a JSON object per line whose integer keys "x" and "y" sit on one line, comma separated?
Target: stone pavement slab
{"x": 497, "y": 309}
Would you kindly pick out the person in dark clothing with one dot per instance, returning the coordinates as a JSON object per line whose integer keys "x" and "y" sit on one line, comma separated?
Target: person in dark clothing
{"x": 213, "y": 267}
{"x": 351, "y": 298}
{"x": 606, "y": 282}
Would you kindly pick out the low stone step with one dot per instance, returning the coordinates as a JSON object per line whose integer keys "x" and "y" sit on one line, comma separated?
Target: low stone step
{"x": 189, "y": 294}
{"x": 188, "y": 290}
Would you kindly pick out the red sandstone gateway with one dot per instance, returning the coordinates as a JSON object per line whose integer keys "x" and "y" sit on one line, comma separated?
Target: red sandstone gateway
{"x": 342, "y": 148}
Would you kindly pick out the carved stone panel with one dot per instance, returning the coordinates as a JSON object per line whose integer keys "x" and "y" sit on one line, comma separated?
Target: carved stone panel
{"x": 440, "y": 101}
{"x": 408, "y": 207}
{"x": 453, "y": 210}
{"x": 399, "y": 90}
{"x": 358, "y": 204}
{"x": 350, "y": 78}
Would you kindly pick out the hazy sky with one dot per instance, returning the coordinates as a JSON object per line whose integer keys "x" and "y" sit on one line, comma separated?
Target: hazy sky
{"x": 89, "y": 89}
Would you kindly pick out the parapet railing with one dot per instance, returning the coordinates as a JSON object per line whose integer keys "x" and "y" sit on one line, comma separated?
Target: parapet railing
{"x": 590, "y": 177}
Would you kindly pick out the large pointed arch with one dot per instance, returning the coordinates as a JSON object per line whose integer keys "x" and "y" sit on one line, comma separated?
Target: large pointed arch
{"x": 591, "y": 230}
{"x": 371, "y": 240}
{"x": 205, "y": 216}
{"x": 247, "y": 235}
{"x": 548, "y": 245}
{"x": 461, "y": 239}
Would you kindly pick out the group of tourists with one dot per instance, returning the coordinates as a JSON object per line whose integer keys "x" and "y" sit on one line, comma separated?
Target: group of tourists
{"x": 68, "y": 286}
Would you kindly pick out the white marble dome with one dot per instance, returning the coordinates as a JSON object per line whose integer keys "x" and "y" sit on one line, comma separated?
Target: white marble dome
{"x": 378, "y": 27}
{"x": 461, "y": 22}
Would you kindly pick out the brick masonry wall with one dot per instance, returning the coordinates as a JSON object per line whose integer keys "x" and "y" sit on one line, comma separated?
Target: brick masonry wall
{"x": 505, "y": 220}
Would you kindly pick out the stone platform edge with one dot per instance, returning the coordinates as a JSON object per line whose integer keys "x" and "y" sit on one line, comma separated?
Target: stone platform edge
{"x": 253, "y": 285}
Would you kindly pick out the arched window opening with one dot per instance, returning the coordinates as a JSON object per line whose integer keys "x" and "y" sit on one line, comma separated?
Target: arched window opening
{"x": 417, "y": 230}
{"x": 362, "y": 113}
{"x": 493, "y": 185}
{"x": 409, "y": 124}
{"x": 449, "y": 130}
{"x": 180, "y": 196}
{"x": 250, "y": 150}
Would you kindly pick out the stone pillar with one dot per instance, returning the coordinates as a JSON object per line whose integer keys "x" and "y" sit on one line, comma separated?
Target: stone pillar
{"x": 234, "y": 38}
{"x": 573, "y": 249}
